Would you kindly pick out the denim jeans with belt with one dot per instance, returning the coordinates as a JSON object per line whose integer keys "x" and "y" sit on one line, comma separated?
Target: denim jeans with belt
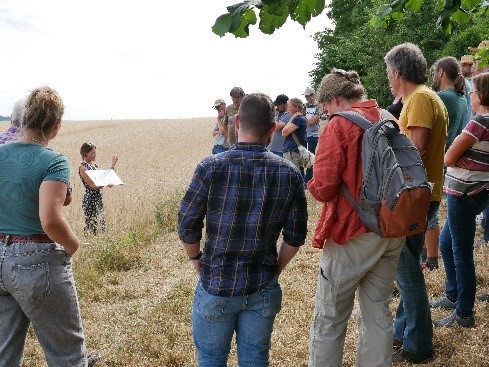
{"x": 37, "y": 286}
{"x": 412, "y": 325}
{"x": 215, "y": 319}
{"x": 457, "y": 249}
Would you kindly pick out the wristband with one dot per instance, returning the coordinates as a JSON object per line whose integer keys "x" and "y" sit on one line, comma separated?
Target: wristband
{"x": 196, "y": 257}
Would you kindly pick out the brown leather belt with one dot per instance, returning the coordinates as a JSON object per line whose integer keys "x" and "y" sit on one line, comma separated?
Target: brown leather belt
{"x": 11, "y": 238}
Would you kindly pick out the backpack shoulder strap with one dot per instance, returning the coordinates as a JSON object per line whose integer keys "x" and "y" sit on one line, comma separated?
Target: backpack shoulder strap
{"x": 356, "y": 118}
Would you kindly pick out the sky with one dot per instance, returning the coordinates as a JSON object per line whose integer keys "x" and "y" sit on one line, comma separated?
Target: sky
{"x": 144, "y": 59}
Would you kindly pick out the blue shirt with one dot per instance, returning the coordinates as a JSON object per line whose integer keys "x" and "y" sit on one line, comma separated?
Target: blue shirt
{"x": 277, "y": 140}
{"x": 300, "y": 132}
{"x": 248, "y": 196}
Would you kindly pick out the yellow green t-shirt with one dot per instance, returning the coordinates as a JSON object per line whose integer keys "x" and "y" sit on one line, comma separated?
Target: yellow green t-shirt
{"x": 423, "y": 108}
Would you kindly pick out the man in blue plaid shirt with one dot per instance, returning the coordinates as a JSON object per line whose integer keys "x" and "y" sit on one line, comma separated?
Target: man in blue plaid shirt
{"x": 247, "y": 196}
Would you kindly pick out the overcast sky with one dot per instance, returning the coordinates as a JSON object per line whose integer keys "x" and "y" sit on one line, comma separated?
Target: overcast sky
{"x": 144, "y": 59}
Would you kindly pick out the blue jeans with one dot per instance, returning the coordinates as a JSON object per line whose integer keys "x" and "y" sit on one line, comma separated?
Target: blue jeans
{"x": 312, "y": 142}
{"x": 457, "y": 249}
{"x": 412, "y": 325}
{"x": 37, "y": 286}
{"x": 215, "y": 319}
{"x": 216, "y": 149}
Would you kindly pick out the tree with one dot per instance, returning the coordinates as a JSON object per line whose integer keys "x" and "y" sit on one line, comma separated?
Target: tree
{"x": 355, "y": 45}
{"x": 274, "y": 13}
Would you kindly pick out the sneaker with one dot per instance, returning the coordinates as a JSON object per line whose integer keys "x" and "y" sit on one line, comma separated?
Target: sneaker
{"x": 443, "y": 302}
{"x": 483, "y": 298}
{"x": 415, "y": 358}
{"x": 455, "y": 320}
{"x": 92, "y": 359}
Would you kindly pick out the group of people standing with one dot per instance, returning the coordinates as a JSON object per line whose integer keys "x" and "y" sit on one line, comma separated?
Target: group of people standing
{"x": 303, "y": 129}
{"x": 248, "y": 196}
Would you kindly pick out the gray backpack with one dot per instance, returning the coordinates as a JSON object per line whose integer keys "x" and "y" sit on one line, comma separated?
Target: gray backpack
{"x": 395, "y": 193}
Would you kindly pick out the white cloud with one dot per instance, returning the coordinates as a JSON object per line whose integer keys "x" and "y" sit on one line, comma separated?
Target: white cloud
{"x": 144, "y": 59}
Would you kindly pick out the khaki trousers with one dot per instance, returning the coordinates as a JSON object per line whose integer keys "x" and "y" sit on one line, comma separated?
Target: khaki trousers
{"x": 367, "y": 264}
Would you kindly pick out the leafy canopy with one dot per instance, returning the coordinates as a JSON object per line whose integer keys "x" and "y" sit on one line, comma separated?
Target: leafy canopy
{"x": 272, "y": 14}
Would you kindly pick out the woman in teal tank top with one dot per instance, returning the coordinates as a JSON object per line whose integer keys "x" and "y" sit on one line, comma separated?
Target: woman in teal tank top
{"x": 36, "y": 242}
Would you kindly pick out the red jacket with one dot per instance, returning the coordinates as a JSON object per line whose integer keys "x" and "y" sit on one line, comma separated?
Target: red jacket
{"x": 338, "y": 159}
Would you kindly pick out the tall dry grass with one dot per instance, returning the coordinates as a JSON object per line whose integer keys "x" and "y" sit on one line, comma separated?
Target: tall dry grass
{"x": 136, "y": 286}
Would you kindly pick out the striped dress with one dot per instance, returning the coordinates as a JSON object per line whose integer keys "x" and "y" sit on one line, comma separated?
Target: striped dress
{"x": 471, "y": 175}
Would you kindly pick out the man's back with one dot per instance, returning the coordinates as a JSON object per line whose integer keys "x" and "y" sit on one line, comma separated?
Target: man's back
{"x": 247, "y": 195}
{"x": 424, "y": 108}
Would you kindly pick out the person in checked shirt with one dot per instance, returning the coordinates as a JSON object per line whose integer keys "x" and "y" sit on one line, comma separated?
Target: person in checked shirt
{"x": 246, "y": 197}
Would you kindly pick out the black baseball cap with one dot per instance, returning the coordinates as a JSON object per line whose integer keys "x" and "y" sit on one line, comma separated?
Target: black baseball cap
{"x": 281, "y": 98}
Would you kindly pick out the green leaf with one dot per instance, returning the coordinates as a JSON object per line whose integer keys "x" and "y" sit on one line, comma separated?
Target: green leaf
{"x": 413, "y": 5}
{"x": 306, "y": 9}
{"x": 278, "y": 8}
{"x": 397, "y": 15}
{"x": 223, "y": 25}
{"x": 247, "y": 18}
{"x": 470, "y": 4}
{"x": 460, "y": 16}
{"x": 269, "y": 22}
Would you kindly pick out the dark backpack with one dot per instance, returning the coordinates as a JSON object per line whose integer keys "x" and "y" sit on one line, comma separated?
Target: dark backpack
{"x": 395, "y": 193}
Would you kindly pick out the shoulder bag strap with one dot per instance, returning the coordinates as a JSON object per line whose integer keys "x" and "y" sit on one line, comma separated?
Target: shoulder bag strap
{"x": 296, "y": 139}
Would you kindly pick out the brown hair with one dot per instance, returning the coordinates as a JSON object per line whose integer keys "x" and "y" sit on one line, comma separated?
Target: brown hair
{"x": 451, "y": 67}
{"x": 86, "y": 148}
{"x": 481, "y": 86}
{"x": 43, "y": 108}
{"x": 341, "y": 83}
{"x": 256, "y": 114}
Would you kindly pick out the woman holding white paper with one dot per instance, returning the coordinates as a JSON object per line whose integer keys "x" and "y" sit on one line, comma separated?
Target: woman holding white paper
{"x": 92, "y": 204}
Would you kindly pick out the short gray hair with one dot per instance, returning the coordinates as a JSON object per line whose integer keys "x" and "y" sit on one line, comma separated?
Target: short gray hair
{"x": 18, "y": 112}
{"x": 409, "y": 62}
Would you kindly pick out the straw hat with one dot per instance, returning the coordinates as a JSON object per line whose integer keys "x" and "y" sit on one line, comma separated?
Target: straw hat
{"x": 467, "y": 59}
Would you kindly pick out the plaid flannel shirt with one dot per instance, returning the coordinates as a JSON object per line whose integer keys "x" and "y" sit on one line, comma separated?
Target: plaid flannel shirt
{"x": 247, "y": 196}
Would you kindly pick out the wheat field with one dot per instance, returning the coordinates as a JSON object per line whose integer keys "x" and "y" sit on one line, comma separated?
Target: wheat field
{"x": 136, "y": 286}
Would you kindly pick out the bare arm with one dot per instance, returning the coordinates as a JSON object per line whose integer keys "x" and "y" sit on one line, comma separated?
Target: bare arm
{"x": 285, "y": 254}
{"x": 114, "y": 161}
{"x": 458, "y": 148}
{"x": 192, "y": 251}
{"x": 289, "y": 127}
{"x": 52, "y": 195}
{"x": 279, "y": 125}
{"x": 87, "y": 179}
{"x": 313, "y": 120}
{"x": 420, "y": 136}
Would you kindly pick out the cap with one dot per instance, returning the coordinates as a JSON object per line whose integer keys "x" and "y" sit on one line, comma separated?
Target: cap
{"x": 308, "y": 91}
{"x": 218, "y": 102}
{"x": 481, "y": 45}
{"x": 281, "y": 98}
{"x": 237, "y": 91}
{"x": 467, "y": 59}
